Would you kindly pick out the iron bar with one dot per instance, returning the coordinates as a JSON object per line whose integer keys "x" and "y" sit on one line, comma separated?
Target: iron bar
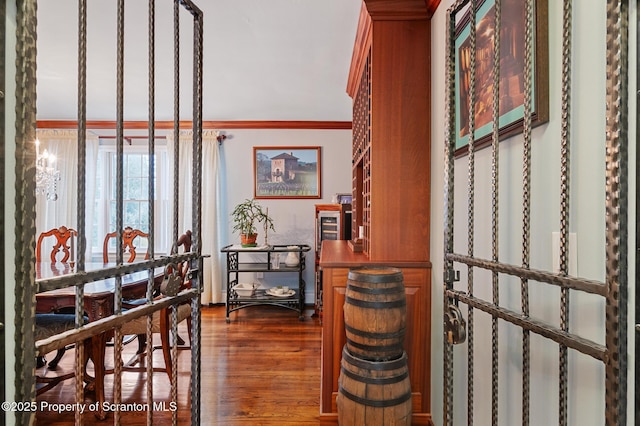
{"x": 117, "y": 392}
{"x": 526, "y": 198}
{"x": 578, "y": 343}
{"x": 25, "y": 204}
{"x": 198, "y": 265}
{"x": 176, "y": 115}
{"x": 471, "y": 206}
{"x": 565, "y": 151}
{"x": 582, "y": 284}
{"x": 104, "y": 324}
{"x": 81, "y": 180}
{"x": 449, "y": 169}
{"x": 495, "y": 184}
{"x": 616, "y": 221}
{"x": 82, "y": 278}
{"x": 152, "y": 161}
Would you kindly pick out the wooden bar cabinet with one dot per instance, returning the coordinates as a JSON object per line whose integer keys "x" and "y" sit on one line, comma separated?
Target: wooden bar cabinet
{"x": 389, "y": 82}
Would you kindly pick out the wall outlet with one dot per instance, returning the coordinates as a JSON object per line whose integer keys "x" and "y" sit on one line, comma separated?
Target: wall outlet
{"x": 573, "y": 253}
{"x": 259, "y": 274}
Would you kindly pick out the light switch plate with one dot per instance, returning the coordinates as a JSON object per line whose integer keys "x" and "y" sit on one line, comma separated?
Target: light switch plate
{"x": 573, "y": 253}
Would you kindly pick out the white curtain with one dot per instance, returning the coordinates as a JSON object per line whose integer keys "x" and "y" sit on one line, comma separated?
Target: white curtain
{"x": 63, "y": 212}
{"x": 212, "y": 273}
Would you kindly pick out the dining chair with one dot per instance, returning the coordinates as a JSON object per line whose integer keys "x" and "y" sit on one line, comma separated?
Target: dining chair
{"x": 62, "y": 241}
{"x": 49, "y": 325}
{"x": 161, "y": 320}
{"x": 129, "y": 237}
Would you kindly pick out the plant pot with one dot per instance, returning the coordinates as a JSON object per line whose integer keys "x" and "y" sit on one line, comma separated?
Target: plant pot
{"x": 248, "y": 240}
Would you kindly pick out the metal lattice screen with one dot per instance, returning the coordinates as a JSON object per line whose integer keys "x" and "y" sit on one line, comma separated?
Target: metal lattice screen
{"x": 500, "y": 292}
{"x": 25, "y": 204}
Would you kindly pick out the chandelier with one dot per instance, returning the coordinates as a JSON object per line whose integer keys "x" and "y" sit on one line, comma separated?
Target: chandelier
{"x": 47, "y": 175}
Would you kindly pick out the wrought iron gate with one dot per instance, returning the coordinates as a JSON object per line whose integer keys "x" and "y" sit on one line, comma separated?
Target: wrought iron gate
{"x": 25, "y": 204}
{"x": 491, "y": 276}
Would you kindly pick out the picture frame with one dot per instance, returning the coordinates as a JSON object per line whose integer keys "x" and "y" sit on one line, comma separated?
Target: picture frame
{"x": 511, "y": 120}
{"x": 287, "y": 172}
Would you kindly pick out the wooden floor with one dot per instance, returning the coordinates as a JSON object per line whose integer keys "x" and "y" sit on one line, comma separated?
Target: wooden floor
{"x": 261, "y": 369}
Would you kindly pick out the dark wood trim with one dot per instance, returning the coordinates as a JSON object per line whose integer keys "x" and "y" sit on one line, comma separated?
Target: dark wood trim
{"x": 360, "y": 48}
{"x": 401, "y": 9}
{"x": 206, "y": 125}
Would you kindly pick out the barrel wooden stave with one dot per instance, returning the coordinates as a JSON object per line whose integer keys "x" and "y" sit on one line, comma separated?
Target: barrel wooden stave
{"x": 373, "y": 393}
{"x": 375, "y": 313}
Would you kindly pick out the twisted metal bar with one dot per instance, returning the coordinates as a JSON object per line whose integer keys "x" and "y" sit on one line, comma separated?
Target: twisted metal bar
{"x": 617, "y": 96}
{"x": 152, "y": 157}
{"x": 197, "y": 211}
{"x": 578, "y": 343}
{"x": 450, "y": 116}
{"x": 565, "y": 150}
{"x": 24, "y": 352}
{"x": 174, "y": 363}
{"x": 117, "y": 392}
{"x": 495, "y": 154}
{"x": 526, "y": 201}
{"x": 81, "y": 180}
{"x": 471, "y": 208}
{"x": 176, "y": 114}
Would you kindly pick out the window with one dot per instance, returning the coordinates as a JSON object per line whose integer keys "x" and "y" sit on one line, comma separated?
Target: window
{"x": 135, "y": 195}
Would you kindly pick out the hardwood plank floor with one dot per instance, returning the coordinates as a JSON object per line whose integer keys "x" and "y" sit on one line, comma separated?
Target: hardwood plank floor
{"x": 261, "y": 369}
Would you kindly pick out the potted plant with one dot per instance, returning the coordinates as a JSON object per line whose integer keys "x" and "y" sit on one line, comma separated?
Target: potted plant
{"x": 246, "y": 216}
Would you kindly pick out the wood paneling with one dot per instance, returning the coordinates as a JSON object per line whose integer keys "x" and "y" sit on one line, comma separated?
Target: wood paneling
{"x": 400, "y": 145}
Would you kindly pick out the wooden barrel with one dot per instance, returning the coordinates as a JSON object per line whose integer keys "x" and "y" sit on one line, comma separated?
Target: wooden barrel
{"x": 375, "y": 313}
{"x": 373, "y": 392}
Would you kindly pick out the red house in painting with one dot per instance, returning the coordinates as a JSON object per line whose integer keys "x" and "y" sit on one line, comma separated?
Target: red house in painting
{"x": 283, "y": 167}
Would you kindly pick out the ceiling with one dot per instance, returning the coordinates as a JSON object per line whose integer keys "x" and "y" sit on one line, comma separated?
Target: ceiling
{"x": 263, "y": 60}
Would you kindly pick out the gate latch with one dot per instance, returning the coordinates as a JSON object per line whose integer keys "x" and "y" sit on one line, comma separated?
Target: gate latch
{"x": 455, "y": 327}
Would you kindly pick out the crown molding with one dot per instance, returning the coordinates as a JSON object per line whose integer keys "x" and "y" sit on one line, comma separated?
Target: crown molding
{"x": 206, "y": 125}
{"x": 382, "y": 10}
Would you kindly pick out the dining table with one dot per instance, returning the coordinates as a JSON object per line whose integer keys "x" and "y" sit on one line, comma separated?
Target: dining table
{"x": 98, "y": 303}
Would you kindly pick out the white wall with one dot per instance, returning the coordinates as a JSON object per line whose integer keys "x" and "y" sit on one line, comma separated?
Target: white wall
{"x": 587, "y": 220}
{"x": 294, "y": 219}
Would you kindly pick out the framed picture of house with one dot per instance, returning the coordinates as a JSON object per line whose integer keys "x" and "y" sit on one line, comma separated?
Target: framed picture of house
{"x": 512, "y": 59}
{"x": 286, "y": 172}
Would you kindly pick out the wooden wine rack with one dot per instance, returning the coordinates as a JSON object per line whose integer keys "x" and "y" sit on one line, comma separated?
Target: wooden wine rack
{"x": 362, "y": 156}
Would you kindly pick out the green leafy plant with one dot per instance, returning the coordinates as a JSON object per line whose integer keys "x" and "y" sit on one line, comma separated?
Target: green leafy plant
{"x": 247, "y": 215}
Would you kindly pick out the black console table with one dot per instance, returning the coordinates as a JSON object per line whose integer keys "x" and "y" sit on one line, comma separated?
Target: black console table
{"x": 262, "y": 260}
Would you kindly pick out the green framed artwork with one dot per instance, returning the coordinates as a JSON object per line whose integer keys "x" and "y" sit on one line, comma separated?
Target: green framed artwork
{"x": 286, "y": 172}
{"x": 511, "y": 90}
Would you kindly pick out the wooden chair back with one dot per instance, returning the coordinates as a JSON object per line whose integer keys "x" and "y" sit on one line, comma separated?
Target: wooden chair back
{"x": 64, "y": 243}
{"x": 184, "y": 242}
{"x": 128, "y": 236}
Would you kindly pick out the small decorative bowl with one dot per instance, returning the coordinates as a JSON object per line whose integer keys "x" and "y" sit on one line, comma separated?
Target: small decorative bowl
{"x": 245, "y": 289}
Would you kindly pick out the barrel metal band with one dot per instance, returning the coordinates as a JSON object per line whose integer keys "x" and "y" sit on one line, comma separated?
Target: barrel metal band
{"x": 377, "y": 278}
{"x": 375, "y": 380}
{"x": 376, "y": 403}
{"x": 376, "y": 305}
{"x": 391, "y": 335}
{"x": 377, "y": 366}
{"x": 375, "y": 290}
